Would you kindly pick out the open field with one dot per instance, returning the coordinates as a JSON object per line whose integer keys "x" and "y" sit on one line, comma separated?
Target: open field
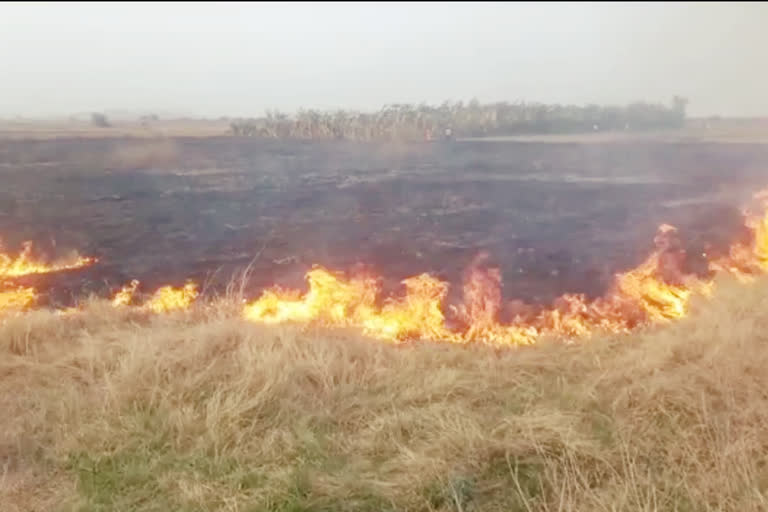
{"x": 555, "y": 217}
{"x": 121, "y": 409}
{"x": 113, "y": 410}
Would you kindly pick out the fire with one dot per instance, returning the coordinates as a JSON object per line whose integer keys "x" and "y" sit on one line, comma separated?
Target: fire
{"x": 164, "y": 300}
{"x": 658, "y": 284}
{"x": 168, "y": 298}
{"x": 418, "y": 315}
{"x": 333, "y": 300}
{"x": 24, "y": 264}
{"x": 656, "y": 291}
{"x": 17, "y": 299}
{"x": 125, "y": 295}
{"x": 746, "y": 261}
{"x": 330, "y": 300}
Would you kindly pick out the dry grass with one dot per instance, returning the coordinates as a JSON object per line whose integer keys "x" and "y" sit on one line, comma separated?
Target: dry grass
{"x": 114, "y": 410}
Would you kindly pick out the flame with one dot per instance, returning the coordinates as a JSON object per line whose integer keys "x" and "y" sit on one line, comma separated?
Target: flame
{"x": 418, "y": 315}
{"x": 164, "y": 300}
{"x": 334, "y": 300}
{"x": 330, "y": 300}
{"x": 168, "y": 298}
{"x": 656, "y": 291}
{"x": 125, "y": 295}
{"x": 744, "y": 261}
{"x": 17, "y": 299}
{"x": 658, "y": 284}
{"x": 24, "y": 264}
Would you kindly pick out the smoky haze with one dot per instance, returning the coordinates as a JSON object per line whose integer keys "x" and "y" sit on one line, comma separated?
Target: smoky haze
{"x": 240, "y": 59}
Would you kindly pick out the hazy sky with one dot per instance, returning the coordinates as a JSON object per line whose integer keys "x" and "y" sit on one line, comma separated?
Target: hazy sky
{"x": 240, "y": 58}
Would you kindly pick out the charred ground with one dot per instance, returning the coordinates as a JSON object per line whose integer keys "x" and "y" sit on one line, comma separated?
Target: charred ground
{"x": 555, "y": 217}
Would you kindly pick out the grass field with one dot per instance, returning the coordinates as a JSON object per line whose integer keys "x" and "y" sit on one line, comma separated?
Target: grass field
{"x": 117, "y": 410}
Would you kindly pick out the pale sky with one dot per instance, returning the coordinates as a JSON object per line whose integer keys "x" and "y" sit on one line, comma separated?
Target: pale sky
{"x": 238, "y": 59}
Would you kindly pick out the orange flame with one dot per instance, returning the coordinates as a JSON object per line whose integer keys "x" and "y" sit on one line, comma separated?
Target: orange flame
{"x": 17, "y": 299}
{"x": 746, "y": 261}
{"x": 168, "y": 298}
{"x": 655, "y": 291}
{"x": 24, "y": 264}
{"x": 164, "y": 300}
{"x": 125, "y": 295}
{"x": 335, "y": 301}
{"x": 418, "y": 315}
{"x": 13, "y": 298}
{"x": 658, "y": 284}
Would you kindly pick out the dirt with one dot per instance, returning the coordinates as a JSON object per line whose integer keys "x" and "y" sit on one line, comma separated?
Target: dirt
{"x": 555, "y": 217}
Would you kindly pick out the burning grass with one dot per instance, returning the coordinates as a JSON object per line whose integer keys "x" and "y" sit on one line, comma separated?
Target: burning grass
{"x": 165, "y": 402}
{"x": 123, "y": 409}
{"x": 14, "y": 298}
{"x": 24, "y": 264}
{"x": 285, "y": 403}
{"x": 654, "y": 292}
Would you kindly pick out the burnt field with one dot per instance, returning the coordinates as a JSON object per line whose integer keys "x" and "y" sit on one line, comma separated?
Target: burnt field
{"x": 554, "y": 217}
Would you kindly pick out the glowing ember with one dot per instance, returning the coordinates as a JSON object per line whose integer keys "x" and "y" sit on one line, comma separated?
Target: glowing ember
{"x": 24, "y": 264}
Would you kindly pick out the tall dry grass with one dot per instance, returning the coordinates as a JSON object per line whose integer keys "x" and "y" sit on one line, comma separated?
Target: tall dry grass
{"x": 117, "y": 410}
{"x": 400, "y": 122}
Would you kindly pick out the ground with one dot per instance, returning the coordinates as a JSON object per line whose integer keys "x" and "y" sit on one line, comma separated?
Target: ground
{"x": 555, "y": 217}
{"x": 121, "y": 409}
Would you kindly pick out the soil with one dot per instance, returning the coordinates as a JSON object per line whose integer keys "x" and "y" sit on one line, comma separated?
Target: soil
{"x": 554, "y": 217}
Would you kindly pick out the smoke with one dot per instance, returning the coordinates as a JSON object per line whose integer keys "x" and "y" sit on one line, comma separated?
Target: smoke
{"x": 240, "y": 59}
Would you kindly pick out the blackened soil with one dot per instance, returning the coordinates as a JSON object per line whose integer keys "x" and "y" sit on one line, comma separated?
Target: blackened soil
{"x": 555, "y": 217}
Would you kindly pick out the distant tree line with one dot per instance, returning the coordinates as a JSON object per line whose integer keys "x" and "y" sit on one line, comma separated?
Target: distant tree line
{"x": 472, "y": 119}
